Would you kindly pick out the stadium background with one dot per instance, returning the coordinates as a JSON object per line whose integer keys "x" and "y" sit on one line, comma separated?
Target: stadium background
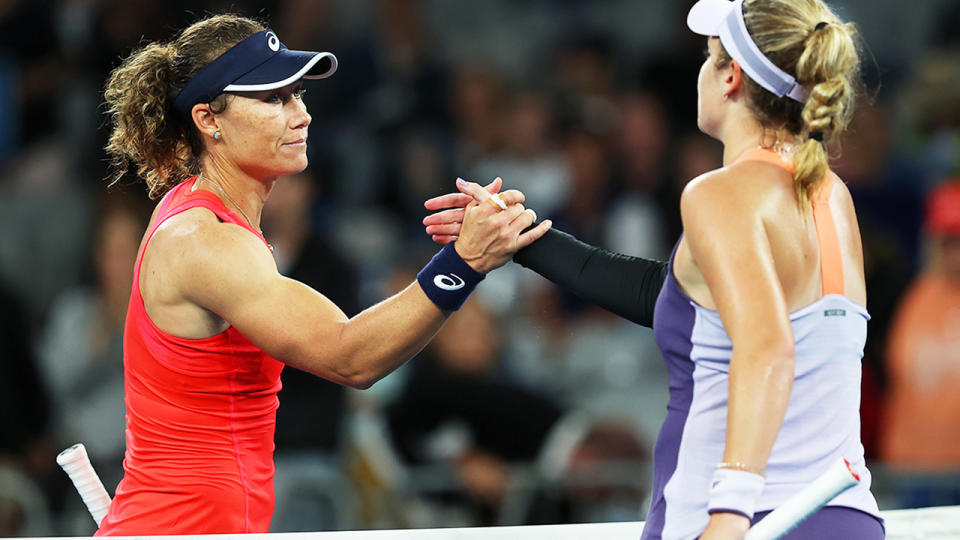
{"x": 531, "y": 407}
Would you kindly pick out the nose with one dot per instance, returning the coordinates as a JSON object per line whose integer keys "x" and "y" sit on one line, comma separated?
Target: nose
{"x": 301, "y": 118}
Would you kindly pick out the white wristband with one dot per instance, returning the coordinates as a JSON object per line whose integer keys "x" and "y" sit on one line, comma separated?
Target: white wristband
{"x": 735, "y": 491}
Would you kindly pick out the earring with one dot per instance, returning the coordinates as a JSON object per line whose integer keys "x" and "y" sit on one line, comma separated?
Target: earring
{"x": 725, "y": 96}
{"x": 216, "y": 136}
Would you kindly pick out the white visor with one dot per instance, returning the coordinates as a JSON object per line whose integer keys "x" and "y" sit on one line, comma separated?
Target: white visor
{"x": 724, "y": 19}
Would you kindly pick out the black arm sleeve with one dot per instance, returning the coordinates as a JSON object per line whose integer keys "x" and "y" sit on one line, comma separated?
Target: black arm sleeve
{"x": 627, "y": 286}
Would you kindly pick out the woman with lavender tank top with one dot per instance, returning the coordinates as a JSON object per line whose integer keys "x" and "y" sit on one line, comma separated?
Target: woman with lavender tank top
{"x": 760, "y": 311}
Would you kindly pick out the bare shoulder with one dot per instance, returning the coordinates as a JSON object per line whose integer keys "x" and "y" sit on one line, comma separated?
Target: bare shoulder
{"x": 749, "y": 186}
{"x": 842, "y": 194}
{"x": 196, "y": 247}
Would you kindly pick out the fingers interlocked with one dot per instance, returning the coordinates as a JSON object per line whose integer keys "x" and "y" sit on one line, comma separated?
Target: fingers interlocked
{"x": 505, "y": 208}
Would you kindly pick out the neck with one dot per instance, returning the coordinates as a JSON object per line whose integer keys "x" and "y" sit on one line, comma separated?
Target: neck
{"x": 243, "y": 192}
{"x": 742, "y": 132}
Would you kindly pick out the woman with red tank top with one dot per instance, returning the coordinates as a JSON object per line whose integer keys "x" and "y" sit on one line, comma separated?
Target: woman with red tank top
{"x": 211, "y": 120}
{"x": 768, "y": 235}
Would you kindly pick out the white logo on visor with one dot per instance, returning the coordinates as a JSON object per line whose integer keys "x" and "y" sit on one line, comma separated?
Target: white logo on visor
{"x": 452, "y": 282}
{"x": 273, "y": 41}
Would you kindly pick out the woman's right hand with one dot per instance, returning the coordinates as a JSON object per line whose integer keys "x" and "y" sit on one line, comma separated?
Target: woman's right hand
{"x": 486, "y": 236}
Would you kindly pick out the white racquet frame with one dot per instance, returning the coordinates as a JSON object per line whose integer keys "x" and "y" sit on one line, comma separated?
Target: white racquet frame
{"x": 76, "y": 464}
{"x": 837, "y": 479}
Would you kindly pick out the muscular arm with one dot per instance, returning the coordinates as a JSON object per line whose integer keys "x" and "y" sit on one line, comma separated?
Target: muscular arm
{"x": 627, "y": 286}
{"x": 722, "y": 219}
{"x": 224, "y": 270}
{"x": 228, "y": 271}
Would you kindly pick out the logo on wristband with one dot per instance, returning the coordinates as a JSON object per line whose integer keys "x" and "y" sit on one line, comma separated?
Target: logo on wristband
{"x": 450, "y": 282}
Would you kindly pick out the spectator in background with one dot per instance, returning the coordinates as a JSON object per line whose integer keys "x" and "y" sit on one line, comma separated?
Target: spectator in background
{"x": 476, "y": 94}
{"x": 635, "y": 224}
{"x": 883, "y": 182}
{"x": 529, "y": 157}
{"x": 44, "y": 226}
{"x": 585, "y": 74}
{"x": 922, "y": 441}
{"x": 458, "y": 408}
{"x": 694, "y": 154}
{"x": 591, "y": 180}
{"x": 311, "y": 409}
{"x": 311, "y": 413}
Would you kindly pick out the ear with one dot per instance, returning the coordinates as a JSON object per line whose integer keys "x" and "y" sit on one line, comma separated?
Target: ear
{"x": 204, "y": 119}
{"x": 733, "y": 81}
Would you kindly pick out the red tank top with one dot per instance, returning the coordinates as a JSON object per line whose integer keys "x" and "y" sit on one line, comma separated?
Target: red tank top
{"x": 201, "y": 415}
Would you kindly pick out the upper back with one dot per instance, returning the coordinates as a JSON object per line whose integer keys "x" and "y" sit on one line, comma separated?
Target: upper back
{"x": 810, "y": 248}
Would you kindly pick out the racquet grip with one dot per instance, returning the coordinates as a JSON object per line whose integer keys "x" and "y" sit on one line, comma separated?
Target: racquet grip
{"x": 76, "y": 464}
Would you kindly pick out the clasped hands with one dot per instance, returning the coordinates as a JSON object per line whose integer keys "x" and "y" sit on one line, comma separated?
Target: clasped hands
{"x": 486, "y": 236}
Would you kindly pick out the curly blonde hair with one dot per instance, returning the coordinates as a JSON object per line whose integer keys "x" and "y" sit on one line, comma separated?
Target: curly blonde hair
{"x": 806, "y": 39}
{"x": 146, "y": 133}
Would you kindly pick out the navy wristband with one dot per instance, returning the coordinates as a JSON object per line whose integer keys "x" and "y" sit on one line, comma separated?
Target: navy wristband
{"x": 448, "y": 280}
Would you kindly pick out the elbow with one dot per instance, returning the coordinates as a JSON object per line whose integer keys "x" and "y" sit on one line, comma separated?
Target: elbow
{"x": 338, "y": 365}
{"x": 350, "y": 372}
{"x": 782, "y": 353}
{"x": 780, "y": 361}
{"x": 777, "y": 355}
{"x": 356, "y": 372}
{"x": 360, "y": 381}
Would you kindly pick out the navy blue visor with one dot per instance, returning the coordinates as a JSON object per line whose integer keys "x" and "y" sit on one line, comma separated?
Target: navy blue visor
{"x": 259, "y": 62}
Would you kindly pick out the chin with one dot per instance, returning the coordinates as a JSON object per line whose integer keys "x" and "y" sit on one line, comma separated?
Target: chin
{"x": 702, "y": 127}
{"x": 296, "y": 166}
{"x": 705, "y": 128}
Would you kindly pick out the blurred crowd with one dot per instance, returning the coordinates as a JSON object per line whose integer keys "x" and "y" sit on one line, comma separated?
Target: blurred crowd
{"x": 531, "y": 406}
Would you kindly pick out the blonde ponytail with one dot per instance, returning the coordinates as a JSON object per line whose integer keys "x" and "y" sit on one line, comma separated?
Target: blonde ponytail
{"x": 828, "y": 67}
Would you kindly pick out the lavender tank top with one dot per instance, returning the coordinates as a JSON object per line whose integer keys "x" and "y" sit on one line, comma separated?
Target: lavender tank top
{"x": 822, "y": 421}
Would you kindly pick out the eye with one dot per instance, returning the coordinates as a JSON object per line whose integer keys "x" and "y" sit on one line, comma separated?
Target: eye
{"x": 299, "y": 92}
{"x": 274, "y": 97}
{"x": 706, "y": 52}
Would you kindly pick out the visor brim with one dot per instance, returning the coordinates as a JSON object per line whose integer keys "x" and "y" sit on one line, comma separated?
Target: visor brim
{"x": 706, "y": 16}
{"x": 286, "y": 67}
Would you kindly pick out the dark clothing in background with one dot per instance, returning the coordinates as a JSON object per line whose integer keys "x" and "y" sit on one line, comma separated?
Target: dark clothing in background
{"x": 504, "y": 419}
{"x": 24, "y": 407}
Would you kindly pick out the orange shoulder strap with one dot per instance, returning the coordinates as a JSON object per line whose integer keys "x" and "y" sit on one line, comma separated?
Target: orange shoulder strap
{"x": 768, "y": 156}
{"x": 831, "y": 263}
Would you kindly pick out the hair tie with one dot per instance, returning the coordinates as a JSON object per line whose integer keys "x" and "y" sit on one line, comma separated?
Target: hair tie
{"x": 820, "y": 26}
{"x": 817, "y": 135}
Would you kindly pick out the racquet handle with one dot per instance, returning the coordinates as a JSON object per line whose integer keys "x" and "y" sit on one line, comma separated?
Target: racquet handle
{"x": 76, "y": 464}
{"x": 837, "y": 479}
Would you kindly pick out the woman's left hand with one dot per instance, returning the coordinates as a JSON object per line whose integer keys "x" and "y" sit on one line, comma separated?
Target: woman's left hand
{"x": 726, "y": 526}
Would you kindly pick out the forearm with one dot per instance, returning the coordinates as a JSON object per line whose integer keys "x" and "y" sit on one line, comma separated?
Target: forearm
{"x": 384, "y": 336}
{"x": 759, "y": 386}
{"x": 627, "y": 286}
